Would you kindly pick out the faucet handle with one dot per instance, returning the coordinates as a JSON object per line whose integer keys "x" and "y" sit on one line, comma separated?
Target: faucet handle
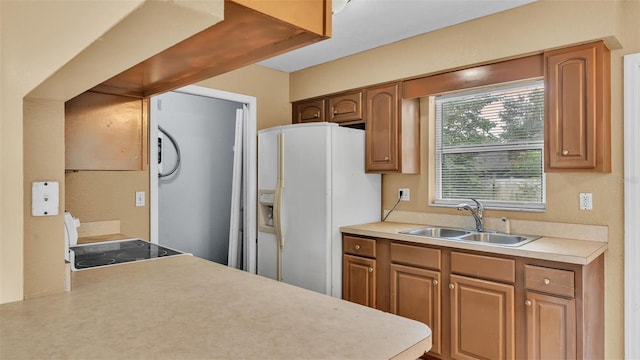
{"x": 479, "y": 206}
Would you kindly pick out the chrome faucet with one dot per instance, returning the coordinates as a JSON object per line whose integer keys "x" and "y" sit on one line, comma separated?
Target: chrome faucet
{"x": 476, "y": 213}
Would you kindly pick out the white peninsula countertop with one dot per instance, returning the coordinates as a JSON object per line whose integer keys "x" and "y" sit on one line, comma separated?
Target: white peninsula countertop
{"x": 189, "y": 308}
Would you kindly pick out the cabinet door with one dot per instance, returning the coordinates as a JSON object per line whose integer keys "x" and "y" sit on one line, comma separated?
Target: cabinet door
{"x": 551, "y": 327}
{"x": 577, "y": 119}
{"x": 308, "y": 111}
{"x": 482, "y": 319}
{"x": 359, "y": 280}
{"x": 105, "y": 132}
{"x": 415, "y": 294}
{"x": 345, "y": 108}
{"x": 382, "y": 129}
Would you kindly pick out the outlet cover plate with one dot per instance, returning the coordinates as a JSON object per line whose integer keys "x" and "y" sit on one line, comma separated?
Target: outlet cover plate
{"x": 586, "y": 201}
{"x": 406, "y": 194}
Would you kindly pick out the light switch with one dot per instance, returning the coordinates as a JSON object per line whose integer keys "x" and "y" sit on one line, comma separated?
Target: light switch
{"x": 140, "y": 198}
{"x": 45, "y": 198}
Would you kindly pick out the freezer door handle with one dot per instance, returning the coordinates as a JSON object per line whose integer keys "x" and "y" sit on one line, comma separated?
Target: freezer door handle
{"x": 277, "y": 204}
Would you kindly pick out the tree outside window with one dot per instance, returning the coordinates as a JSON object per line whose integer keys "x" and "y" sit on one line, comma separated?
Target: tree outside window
{"x": 489, "y": 145}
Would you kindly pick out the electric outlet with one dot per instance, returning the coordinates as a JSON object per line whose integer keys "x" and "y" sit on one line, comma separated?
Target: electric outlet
{"x": 139, "y": 198}
{"x": 586, "y": 201}
{"x": 404, "y": 194}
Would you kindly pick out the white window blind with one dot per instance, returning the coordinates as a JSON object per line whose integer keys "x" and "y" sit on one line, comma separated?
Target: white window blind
{"x": 489, "y": 146}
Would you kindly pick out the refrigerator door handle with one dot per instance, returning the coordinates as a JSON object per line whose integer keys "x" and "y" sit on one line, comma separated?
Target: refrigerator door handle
{"x": 277, "y": 204}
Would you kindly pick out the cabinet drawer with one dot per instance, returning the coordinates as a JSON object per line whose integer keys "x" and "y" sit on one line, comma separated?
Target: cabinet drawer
{"x": 485, "y": 267}
{"x": 359, "y": 246}
{"x": 415, "y": 255}
{"x": 552, "y": 281}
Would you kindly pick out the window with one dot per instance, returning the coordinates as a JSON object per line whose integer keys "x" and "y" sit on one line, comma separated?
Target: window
{"x": 489, "y": 146}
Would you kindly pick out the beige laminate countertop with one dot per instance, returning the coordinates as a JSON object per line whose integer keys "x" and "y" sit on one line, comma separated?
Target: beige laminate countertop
{"x": 580, "y": 252}
{"x": 183, "y": 307}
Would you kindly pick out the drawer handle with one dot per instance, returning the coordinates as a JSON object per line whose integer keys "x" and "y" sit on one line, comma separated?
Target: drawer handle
{"x": 565, "y": 152}
{"x": 451, "y": 286}
{"x": 546, "y": 281}
{"x": 527, "y": 302}
{"x": 357, "y": 247}
{"x": 435, "y": 282}
{"x": 370, "y": 269}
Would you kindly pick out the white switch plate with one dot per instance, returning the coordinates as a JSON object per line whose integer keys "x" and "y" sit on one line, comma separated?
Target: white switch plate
{"x": 140, "y": 198}
{"x": 586, "y": 201}
{"x": 45, "y": 198}
{"x": 406, "y": 194}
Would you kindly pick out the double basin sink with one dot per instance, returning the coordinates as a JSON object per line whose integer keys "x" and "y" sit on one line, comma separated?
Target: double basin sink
{"x": 472, "y": 236}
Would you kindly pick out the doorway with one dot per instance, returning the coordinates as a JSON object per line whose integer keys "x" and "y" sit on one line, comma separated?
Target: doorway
{"x": 191, "y": 205}
{"x": 631, "y": 207}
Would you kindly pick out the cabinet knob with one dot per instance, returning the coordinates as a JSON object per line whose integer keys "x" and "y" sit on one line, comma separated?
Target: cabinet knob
{"x": 527, "y": 302}
{"x": 370, "y": 269}
{"x": 565, "y": 152}
{"x": 451, "y": 286}
{"x": 546, "y": 281}
{"x": 435, "y": 282}
{"x": 357, "y": 247}
{"x": 316, "y": 115}
{"x": 386, "y": 158}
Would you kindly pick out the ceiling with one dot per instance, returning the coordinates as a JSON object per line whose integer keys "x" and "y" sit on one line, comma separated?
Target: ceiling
{"x": 367, "y": 24}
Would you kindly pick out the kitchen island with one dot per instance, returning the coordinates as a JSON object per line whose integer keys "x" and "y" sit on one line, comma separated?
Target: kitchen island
{"x": 190, "y": 308}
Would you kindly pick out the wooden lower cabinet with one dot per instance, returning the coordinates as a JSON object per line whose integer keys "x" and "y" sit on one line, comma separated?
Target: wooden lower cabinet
{"x": 359, "y": 280}
{"x": 551, "y": 327}
{"x": 491, "y": 307}
{"x": 482, "y": 319}
{"x": 415, "y": 294}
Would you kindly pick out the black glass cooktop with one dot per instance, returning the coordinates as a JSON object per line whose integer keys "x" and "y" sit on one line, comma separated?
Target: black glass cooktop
{"x": 117, "y": 252}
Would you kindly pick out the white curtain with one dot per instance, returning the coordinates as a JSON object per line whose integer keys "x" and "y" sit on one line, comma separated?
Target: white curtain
{"x": 235, "y": 226}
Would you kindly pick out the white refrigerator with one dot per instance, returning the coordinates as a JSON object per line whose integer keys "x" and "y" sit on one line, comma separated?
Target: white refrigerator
{"x": 311, "y": 181}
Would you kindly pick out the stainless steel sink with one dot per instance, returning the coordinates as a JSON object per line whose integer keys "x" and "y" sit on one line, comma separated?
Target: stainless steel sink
{"x": 499, "y": 239}
{"x": 471, "y": 236}
{"x": 437, "y": 232}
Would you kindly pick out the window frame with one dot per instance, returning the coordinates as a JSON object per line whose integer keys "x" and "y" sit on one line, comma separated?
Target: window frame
{"x": 483, "y": 75}
{"x": 490, "y": 204}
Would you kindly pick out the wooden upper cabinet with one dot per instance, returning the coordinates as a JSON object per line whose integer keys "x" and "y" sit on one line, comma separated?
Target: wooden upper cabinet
{"x": 577, "y": 109}
{"x": 251, "y": 31}
{"x": 392, "y": 131}
{"x": 308, "y": 111}
{"x": 345, "y": 108}
{"x": 105, "y": 132}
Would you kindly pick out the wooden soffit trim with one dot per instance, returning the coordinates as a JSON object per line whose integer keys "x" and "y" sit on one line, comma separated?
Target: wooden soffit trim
{"x": 244, "y": 37}
{"x": 528, "y": 67}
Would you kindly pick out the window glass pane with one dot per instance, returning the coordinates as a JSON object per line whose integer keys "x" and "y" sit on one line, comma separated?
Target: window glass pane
{"x": 489, "y": 144}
